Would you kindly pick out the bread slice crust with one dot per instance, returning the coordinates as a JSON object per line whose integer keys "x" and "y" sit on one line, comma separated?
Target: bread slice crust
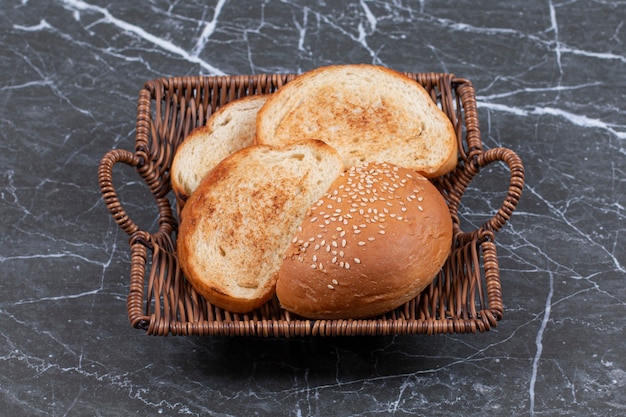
{"x": 368, "y": 113}
{"x": 230, "y": 128}
{"x": 237, "y": 224}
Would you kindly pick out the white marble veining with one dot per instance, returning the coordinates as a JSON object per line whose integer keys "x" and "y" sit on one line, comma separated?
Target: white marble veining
{"x": 550, "y": 82}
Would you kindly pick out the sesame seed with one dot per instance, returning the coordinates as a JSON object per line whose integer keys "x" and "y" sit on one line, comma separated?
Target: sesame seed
{"x": 314, "y": 258}
{"x": 331, "y": 287}
{"x": 361, "y": 243}
{"x": 420, "y": 198}
{"x": 313, "y": 220}
{"x": 334, "y": 260}
{"x": 403, "y": 209}
{"x": 371, "y": 239}
{"x": 357, "y": 231}
{"x": 343, "y": 243}
{"x": 334, "y": 244}
{"x": 321, "y": 266}
{"x": 294, "y": 240}
{"x": 334, "y": 281}
{"x": 382, "y": 232}
{"x": 341, "y": 253}
{"x": 346, "y": 265}
{"x": 420, "y": 208}
{"x": 305, "y": 245}
{"x": 313, "y": 266}
{"x": 316, "y": 247}
{"x": 357, "y": 260}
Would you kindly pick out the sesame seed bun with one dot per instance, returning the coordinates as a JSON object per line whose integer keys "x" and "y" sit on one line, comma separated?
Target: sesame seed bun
{"x": 374, "y": 241}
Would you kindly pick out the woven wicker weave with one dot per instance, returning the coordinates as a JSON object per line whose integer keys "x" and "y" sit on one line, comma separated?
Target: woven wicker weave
{"x": 465, "y": 297}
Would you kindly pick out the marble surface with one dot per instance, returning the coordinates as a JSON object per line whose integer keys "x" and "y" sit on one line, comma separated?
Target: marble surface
{"x": 550, "y": 81}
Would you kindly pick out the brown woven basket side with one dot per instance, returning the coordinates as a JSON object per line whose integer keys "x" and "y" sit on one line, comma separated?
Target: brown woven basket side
{"x": 465, "y": 297}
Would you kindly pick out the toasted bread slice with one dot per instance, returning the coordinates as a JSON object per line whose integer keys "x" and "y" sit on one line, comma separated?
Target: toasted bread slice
{"x": 237, "y": 224}
{"x": 227, "y": 130}
{"x": 368, "y": 113}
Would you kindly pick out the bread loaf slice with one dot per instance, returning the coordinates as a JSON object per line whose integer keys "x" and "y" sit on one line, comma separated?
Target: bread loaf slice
{"x": 368, "y": 113}
{"x": 237, "y": 224}
{"x": 229, "y": 129}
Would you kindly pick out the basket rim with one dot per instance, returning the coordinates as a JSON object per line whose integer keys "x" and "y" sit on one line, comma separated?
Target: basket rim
{"x": 160, "y": 309}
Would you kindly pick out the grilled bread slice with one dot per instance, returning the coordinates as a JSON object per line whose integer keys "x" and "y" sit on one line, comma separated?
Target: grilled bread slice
{"x": 237, "y": 224}
{"x": 227, "y": 130}
{"x": 368, "y": 113}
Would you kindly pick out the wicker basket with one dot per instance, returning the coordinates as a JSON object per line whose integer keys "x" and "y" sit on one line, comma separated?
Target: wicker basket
{"x": 465, "y": 297}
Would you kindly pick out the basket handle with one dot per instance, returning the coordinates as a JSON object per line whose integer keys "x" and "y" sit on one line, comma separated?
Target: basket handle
{"x": 516, "y": 185}
{"x": 105, "y": 179}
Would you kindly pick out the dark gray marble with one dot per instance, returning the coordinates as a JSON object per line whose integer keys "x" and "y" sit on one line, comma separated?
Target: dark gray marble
{"x": 551, "y": 84}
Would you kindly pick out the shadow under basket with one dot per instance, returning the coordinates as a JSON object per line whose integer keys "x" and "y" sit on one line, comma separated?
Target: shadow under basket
{"x": 465, "y": 297}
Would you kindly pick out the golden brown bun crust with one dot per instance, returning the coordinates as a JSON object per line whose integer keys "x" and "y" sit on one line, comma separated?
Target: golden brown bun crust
{"x": 366, "y": 247}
